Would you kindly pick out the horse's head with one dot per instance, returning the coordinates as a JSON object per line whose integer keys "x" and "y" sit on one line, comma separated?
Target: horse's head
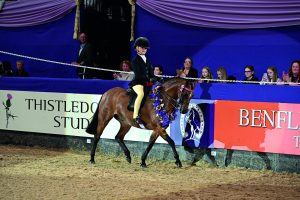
{"x": 185, "y": 93}
{"x": 178, "y": 93}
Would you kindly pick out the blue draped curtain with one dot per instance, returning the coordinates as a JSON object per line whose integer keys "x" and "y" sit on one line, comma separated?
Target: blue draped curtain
{"x": 229, "y": 14}
{"x": 23, "y": 13}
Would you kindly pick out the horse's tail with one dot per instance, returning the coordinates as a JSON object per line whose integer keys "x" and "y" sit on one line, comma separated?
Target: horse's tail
{"x": 92, "y": 127}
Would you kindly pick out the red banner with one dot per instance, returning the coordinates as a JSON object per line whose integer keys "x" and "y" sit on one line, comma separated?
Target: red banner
{"x": 257, "y": 126}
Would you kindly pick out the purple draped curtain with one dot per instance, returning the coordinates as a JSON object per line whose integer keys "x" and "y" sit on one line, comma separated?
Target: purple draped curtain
{"x": 229, "y": 14}
{"x": 33, "y": 12}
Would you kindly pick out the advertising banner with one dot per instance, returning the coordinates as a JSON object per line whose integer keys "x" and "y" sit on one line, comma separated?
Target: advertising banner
{"x": 257, "y": 126}
{"x": 57, "y": 113}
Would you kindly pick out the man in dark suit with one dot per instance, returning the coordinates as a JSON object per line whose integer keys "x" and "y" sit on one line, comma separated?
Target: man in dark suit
{"x": 85, "y": 58}
{"x": 20, "y": 72}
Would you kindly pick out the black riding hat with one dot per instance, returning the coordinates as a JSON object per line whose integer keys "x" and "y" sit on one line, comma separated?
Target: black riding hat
{"x": 142, "y": 42}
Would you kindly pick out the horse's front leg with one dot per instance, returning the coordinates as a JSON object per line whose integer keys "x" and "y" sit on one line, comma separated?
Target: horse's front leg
{"x": 120, "y": 139}
{"x": 166, "y": 137}
{"x": 96, "y": 140}
{"x": 152, "y": 140}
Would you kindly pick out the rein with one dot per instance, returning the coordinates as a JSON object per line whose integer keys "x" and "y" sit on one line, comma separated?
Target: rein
{"x": 174, "y": 102}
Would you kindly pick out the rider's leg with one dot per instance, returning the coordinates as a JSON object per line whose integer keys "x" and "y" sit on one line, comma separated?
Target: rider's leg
{"x": 139, "y": 90}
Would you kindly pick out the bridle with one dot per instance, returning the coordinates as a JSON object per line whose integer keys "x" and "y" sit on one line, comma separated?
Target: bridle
{"x": 161, "y": 99}
{"x": 176, "y": 103}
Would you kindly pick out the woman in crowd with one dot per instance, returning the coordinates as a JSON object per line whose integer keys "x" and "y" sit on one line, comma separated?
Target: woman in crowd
{"x": 206, "y": 74}
{"x": 293, "y": 75}
{"x": 249, "y": 74}
{"x": 188, "y": 69}
{"x": 124, "y": 66}
{"x": 271, "y": 76}
{"x": 222, "y": 74}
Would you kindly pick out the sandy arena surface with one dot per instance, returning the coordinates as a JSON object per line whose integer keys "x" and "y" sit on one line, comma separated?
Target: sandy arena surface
{"x": 40, "y": 173}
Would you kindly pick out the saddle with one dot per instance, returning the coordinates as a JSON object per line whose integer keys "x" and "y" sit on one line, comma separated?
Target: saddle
{"x": 133, "y": 96}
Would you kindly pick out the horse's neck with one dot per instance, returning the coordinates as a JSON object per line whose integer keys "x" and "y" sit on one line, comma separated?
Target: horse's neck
{"x": 170, "y": 99}
{"x": 171, "y": 89}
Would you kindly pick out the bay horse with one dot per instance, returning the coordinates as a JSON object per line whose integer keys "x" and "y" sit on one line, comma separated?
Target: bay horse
{"x": 158, "y": 110}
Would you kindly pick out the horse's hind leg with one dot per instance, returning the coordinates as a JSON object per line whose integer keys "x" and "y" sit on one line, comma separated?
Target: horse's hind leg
{"x": 166, "y": 137}
{"x": 120, "y": 139}
{"x": 96, "y": 140}
{"x": 102, "y": 123}
{"x": 152, "y": 140}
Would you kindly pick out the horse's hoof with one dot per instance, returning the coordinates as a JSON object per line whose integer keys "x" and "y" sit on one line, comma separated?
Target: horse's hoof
{"x": 143, "y": 165}
{"x": 128, "y": 159}
{"x": 227, "y": 162}
{"x": 92, "y": 162}
{"x": 178, "y": 164}
{"x": 215, "y": 164}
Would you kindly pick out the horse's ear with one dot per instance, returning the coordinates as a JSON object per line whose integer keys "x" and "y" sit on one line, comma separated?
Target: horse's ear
{"x": 182, "y": 87}
{"x": 190, "y": 84}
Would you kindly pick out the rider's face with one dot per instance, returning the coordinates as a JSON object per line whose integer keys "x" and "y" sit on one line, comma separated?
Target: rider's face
{"x": 141, "y": 50}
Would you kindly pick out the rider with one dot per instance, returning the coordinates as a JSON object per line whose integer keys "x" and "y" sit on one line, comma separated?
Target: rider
{"x": 143, "y": 74}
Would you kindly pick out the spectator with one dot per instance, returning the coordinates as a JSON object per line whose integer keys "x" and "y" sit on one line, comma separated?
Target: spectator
{"x": 20, "y": 72}
{"x": 271, "y": 76}
{"x": 188, "y": 69}
{"x": 124, "y": 66}
{"x": 85, "y": 57}
{"x": 222, "y": 74}
{"x": 206, "y": 74}
{"x": 158, "y": 70}
{"x": 293, "y": 75}
{"x": 7, "y": 70}
{"x": 249, "y": 74}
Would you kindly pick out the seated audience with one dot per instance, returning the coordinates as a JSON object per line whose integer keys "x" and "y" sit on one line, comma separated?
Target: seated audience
{"x": 7, "y": 70}
{"x": 249, "y": 74}
{"x": 293, "y": 75}
{"x": 187, "y": 70}
{"x": 206, "y": 74}
{"x": 20, "y": 72}
{"x": 222, "y": 74}
{"x": 158, "y": 70}
{"x": 271, "y": 76}
{"x": 124, "y": 66}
